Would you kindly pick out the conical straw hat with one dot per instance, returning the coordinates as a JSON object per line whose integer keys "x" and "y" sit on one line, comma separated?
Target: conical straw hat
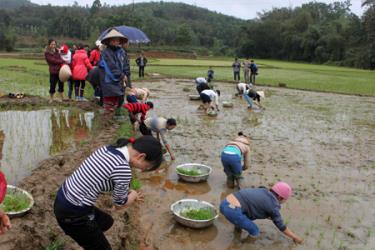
{"x": 65, "y": 73}
{"x": 114, "y": 34}
{"x": 261, "y": 93}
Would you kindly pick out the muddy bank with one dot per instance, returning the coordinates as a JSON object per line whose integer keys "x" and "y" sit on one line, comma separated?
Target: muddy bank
{"x": 31, "y": 102}
{"x": 322, "y": 144}
{"x": 39, "y": 229}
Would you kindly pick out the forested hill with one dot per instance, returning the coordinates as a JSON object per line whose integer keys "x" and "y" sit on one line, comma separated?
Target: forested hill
{"x": 315, "y": 32}
{"x": 12, "y": 4}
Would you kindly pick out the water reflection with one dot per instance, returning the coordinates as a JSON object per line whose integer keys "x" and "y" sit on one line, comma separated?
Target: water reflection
{"x": 28, "y": 137}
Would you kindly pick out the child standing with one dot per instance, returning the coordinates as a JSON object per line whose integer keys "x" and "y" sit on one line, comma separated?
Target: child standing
{"x": 249, "y": 204}
{"x": 231, "y": 158}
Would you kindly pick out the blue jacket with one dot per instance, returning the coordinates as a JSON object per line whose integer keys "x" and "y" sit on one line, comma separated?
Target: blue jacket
{"x": 112, "y": 71}
{"x": 260, "y": 203}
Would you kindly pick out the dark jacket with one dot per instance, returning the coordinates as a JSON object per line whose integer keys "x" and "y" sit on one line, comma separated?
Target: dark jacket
{"x": 138, "y": 61}
{"x": 54, "y": 61}
{"x": 260, "y": 203}
{"x": 127, "y": 68}
{"x": 112, "y": 71}
{"x": 93, "y": 77}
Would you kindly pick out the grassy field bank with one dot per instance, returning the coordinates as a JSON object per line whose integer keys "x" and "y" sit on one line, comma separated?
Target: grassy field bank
{"x": 31, "y": 76}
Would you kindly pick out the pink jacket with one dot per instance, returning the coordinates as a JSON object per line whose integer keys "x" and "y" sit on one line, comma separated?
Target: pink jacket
{"x": 80, "y": 64}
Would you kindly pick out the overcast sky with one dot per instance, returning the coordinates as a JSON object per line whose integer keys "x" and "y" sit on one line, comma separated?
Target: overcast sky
{"x": 245, "y": 9}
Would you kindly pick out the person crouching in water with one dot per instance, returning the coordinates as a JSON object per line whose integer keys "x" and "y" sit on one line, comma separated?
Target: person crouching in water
{"x": 160, "y": 126}
{"x": 231, "y": 158}
{"x": 201, "y": 84}
{"x": 137, "y": 94}
{"x": 249, "y": 204}
{"x": 108, "y": 169}
{"x": 209, "y": 96}
{"x": 242, "y": 88}
{"x": 251, "y": 95}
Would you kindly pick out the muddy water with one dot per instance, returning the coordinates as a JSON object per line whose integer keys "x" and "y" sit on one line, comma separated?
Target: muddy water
{"x": 28, "y": 137}
{"x": 322, "y": 144}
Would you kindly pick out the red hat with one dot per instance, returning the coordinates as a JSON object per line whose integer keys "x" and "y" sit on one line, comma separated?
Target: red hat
{"x": 64, "y": 48}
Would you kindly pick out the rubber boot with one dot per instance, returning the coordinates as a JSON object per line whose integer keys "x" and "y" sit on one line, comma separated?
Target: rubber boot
{"x": 81, "y": 92}
{"x": 238, "y": 181}
{"x": 230, "y": 181}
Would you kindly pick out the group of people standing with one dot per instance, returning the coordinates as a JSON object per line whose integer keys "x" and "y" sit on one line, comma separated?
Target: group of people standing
{"x": 250, "y": 70}
{"x": 79, "y": 61}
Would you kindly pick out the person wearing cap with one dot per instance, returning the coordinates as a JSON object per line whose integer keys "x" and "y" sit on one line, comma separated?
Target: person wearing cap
{"x": 108, "y": 169}
{"x": 66, "y": 55}
{"x": 160, "y": 126}
{"x": 209, "y": 96}
{"x": 243, "y": 207}
{"x": 4, "y": 219}
{"x": 202, "y": 84}
{"x": 232, "y": 155}
{"x": 112, "y": 71}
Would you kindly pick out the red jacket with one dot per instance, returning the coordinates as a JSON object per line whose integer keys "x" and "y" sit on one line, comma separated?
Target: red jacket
{"x": 54, "y": 61}
{"x": 136, "y": 108}
{"x": 80, "y": 64}
{"x": 95, "y": 57}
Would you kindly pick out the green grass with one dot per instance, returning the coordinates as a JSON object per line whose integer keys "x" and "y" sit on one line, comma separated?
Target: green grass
{"x": 191, "y": 172}
{"x": 125, "y": 130}
{"x": 31, "y": 76}
{"x": 198, "y": 214}
{"x": 57, "y": 244}
{"x": 15, "y": 201}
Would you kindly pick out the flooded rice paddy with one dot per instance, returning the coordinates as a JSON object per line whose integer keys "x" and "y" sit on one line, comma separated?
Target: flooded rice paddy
{"x": 322, "y": 144}
{"x": 28, "y": 137}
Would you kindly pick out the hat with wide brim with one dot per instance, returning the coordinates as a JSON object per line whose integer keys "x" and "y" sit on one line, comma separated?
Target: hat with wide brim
{"x": 114, "y": 34}
{"x": 65, "y": 73}
{"x": 261, "y": 94}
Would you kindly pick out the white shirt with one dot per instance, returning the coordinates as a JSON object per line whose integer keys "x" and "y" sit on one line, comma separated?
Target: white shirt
{"x": 242, "y": 87}
{"x": 200, "y": 80}
{"x": 212, "y": 94}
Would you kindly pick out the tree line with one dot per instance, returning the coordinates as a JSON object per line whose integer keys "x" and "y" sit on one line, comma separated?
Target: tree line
{"x": 315, "y": 32}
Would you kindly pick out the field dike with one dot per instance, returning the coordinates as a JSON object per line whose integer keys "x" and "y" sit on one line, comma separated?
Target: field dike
{"x": 39, "y": 229}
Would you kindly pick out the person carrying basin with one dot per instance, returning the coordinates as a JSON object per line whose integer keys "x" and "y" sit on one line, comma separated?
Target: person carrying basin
{"x": 243, "y": 207}
{"x": 231, "y": 157}
{"x": 201, "y": 84}
{"x": 208, "y": 97}
{"x": 108, "y": 169}
{"x": 160, "y": 126}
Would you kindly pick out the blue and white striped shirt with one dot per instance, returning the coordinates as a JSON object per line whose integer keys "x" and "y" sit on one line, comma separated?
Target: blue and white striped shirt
{"x": 107, "y": 169}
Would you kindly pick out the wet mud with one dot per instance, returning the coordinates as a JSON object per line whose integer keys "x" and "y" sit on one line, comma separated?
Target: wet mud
{"x": 322, "y": 144}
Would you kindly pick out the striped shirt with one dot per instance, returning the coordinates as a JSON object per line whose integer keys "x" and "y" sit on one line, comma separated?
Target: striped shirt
{"x": 107, "y": 169}
{"x": 136, "y": 108}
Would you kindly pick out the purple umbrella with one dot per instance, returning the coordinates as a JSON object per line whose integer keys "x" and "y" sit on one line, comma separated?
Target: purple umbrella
{"x": 133, "y": 34}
